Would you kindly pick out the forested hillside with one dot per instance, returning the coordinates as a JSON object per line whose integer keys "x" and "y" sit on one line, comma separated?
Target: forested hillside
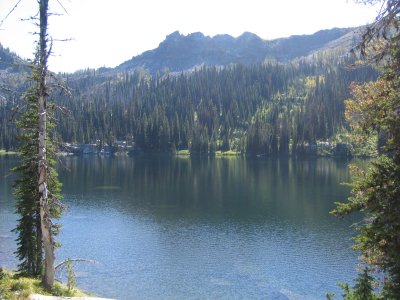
{"x": 258, "y": 109}
{"x": 262, "y": 109}
{"x": 13, "y": 76}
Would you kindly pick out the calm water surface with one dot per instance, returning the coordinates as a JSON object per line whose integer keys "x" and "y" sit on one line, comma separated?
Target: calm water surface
{"x": 181, "y": 228}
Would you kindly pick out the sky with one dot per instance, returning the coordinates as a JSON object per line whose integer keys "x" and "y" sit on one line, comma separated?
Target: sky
{"x": 107, "y": 33}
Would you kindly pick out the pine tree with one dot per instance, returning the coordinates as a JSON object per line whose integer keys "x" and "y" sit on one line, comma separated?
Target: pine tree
{"x": 29, "y": 239}
{"x": 37, "y": 189}
{"x": 28, "y": 230}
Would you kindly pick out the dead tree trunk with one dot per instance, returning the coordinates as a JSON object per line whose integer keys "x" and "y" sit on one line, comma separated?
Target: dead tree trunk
{"x": 45, "y": 217}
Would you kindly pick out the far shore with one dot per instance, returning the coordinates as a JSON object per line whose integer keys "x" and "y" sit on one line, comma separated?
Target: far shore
{"x": 5, "y": 152}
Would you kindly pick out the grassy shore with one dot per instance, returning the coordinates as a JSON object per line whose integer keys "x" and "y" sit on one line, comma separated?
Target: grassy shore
{"x": 227, "y": 153}
{"x": 16, "y": 287}
{"x": 4, "y": 152}
{"x": 217, "y": 153}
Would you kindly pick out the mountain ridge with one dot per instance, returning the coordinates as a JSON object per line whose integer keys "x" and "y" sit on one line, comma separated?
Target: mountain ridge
{"x": 10, "y": 60}
{"x": 180, "y": 52}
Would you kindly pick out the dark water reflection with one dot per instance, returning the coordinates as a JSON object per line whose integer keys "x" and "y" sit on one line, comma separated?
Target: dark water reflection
{"x": 236, "y": 189}
{"x": 180, "y": 228}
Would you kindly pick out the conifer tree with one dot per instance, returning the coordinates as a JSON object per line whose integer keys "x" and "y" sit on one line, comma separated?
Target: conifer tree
{"x": 37, "y": 189}
{"x": 375, "y": 109}
{"x": 29, "y": 238}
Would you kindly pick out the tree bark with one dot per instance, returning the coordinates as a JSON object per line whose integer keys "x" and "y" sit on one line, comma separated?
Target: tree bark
{"x": 39, "y": 242}
{"x": 45, "y": 217}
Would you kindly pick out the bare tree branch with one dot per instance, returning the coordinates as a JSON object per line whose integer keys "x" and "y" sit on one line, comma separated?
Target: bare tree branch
{"x": 63, "y": 264}
{"x": 10, "y": 12}
{"x": 62, "y": 7}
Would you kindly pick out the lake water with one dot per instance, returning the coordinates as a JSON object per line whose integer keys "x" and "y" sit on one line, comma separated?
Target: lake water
{"x": 181, "y": 228}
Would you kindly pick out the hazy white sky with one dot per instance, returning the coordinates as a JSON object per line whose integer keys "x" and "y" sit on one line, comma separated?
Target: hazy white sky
{"x": 107, "y": 33}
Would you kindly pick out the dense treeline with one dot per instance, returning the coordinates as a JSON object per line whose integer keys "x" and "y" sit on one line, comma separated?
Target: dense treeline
{"x": 262, "y": 109}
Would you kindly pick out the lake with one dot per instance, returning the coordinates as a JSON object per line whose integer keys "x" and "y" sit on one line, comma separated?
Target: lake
{"x": 206, "y": 228}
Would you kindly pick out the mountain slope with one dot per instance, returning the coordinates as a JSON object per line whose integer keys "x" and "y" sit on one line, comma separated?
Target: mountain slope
{"x": 10, "y": 61}
{"x": 256, "y": 108}
{"x": 179, "y": 52}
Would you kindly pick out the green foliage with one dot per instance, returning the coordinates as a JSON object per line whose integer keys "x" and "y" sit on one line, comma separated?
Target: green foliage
{"x": 374, "y": 109}
{"x": 71, "y": 280}
{"x": 263, "y": 109}
{"x": 330, "y": 296}
{"x": 376, "y": 192}
{"x": 14, "y": 286}
{"x": 362, "y": 290}
{"x": 5, "y": 152}
{"x": 28, "y": 229}
{"x": 29, "y": 250}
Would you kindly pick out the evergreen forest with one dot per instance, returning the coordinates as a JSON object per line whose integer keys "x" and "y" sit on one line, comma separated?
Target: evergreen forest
{"x": 262, "y": 109}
